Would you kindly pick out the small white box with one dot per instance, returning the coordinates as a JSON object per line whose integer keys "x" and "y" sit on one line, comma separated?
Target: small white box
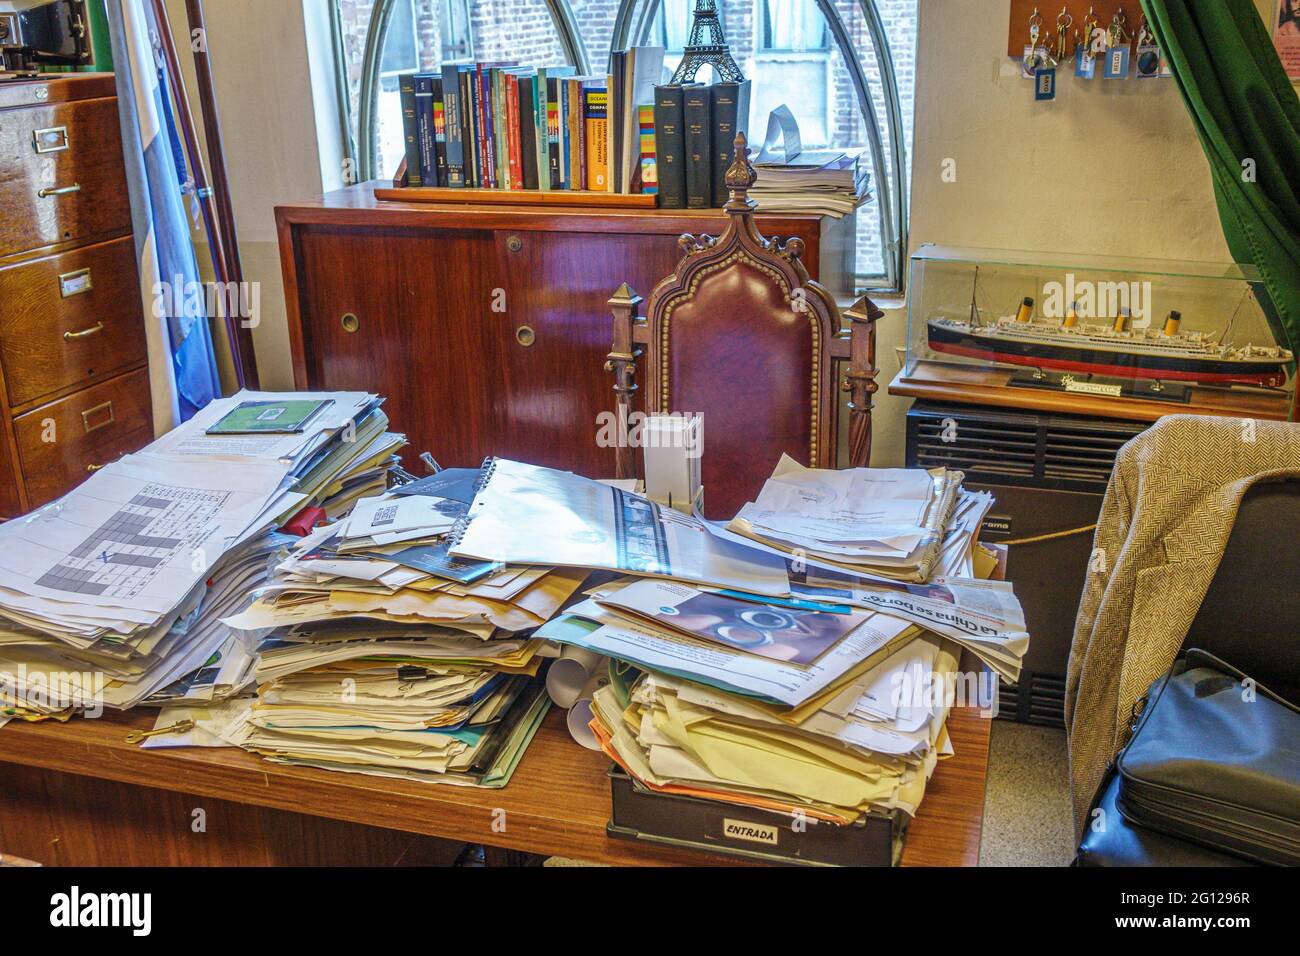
{"x": 673, "y": 446}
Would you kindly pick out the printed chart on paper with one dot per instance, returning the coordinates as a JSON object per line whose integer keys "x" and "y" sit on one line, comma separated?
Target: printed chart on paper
{"x": 124, "y": 554}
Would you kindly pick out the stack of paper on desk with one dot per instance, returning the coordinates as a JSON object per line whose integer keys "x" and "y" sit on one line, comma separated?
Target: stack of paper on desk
{"x": 786, "y": 705}
{"x": 387, "y": 656}
{"x": 115, "y": 592}
{"x": 888, "y": 522}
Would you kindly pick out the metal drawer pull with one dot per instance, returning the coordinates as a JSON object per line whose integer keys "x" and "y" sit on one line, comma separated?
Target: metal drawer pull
{"x": 53, "y": 139}
{"x": 90, "y": 412}
{"x": 49, "y": 191}
{"x": 525, "y": 336}
{"x": 350, "y": 322}
{"x": 84, "y": 333}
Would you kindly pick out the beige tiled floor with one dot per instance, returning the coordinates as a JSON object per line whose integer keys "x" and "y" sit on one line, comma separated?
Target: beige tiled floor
{"x": 1027, "y": 804}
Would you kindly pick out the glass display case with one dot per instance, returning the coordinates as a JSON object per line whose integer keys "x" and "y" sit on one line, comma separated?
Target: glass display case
{"x": 1148, "y": 329}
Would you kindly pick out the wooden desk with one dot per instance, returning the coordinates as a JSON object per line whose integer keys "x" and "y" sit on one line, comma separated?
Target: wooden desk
{"x": 57, "y": 808}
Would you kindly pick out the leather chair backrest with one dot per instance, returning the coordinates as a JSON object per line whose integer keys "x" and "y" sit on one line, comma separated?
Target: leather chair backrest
{"x": 1250, "y": 617}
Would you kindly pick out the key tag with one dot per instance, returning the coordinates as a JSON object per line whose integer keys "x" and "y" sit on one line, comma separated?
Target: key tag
{"x": 1045, "y": 83}
{"x": 1150, "y": 61}
{"x": 1087, "y": 45}
{"x": 1116, "y": 65}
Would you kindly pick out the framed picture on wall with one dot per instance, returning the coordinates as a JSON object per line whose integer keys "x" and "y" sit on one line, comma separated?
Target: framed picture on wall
{"x": 1286, "y": 35}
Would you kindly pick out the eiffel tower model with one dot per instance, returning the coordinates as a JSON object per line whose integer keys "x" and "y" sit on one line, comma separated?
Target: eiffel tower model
{"x": 707, "y": 45}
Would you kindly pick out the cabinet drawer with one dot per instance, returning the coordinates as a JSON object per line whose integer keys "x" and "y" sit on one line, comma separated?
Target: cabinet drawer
{"x": 62, "y": 174}
{"x": 59, "y": 444}
{"x": 69, "y": 318}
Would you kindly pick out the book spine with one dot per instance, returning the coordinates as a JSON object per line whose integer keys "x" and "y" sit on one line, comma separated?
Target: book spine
{"x": 553, "y": 132}
{"x": 616, "y": 107}
{"x": 410, "y": 128}
{"x": 670, "y": 147}
{"x": 528, "y": 131}
{"x": 540, "y": 104}
{"x": 439, "y": 131}
{"x": 469, "y": 125}
{"x": 698, "y": 126}
{"x": 500, "y": 129}
{"x": 730, "y": 107}
{"x": 454, "y": 131}
{"x": 596, "y": 133}
{"x": 481, "y": 110}
{"x": 562, "y": 112}
{"x": 646, "y": 160}
{"x": 577, "y": 141}
{"x": 512, "y": 131}
{"x": 424, "y": 129}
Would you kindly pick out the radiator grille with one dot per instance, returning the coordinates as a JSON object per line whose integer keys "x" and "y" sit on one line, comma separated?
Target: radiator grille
{"x": 1044, "y": 451}
{"x": 1036, "y": 699}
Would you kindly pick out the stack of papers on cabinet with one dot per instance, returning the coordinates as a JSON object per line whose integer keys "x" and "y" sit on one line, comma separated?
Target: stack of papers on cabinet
{"x": 384, "y": 655}
{"x": 115, "y": 593}
{"x": 827, "y": 183}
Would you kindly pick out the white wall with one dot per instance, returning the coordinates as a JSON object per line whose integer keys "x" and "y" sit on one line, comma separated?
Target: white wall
{"x": 1109, "y": 167}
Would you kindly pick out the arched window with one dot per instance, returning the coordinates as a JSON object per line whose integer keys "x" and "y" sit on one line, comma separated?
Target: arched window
{"x": 832, "y": 63}
{"x": 844, "y": 67}
{"x": 378, "y": 40}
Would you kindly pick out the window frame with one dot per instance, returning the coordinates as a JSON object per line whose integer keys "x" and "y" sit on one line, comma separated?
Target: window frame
{"x": 377, "y": 33}
{"x": 893, "y": 204}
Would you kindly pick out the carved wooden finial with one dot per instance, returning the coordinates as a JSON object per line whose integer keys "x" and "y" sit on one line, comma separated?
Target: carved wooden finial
{"x": 740, "y": 176}
{"x": 624, "y": 296}
{"x": 864, "y": 310}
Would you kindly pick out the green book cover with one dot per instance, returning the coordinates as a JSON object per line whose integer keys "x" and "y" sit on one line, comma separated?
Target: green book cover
{"x": 285, "y": 418}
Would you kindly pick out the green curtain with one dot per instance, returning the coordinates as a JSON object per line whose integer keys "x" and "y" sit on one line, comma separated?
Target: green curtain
{"x": 1248, "y": 117}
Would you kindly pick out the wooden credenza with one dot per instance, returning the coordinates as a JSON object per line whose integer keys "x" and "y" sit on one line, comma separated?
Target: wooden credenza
{"x": 74, "y": 389}
{"x": 487, "y": 327}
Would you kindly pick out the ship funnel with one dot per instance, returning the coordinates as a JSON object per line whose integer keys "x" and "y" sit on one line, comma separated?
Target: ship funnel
{"x": 1026, "y": 311}
{"x": 1072, "y": 315}
{"x": 1172, "y": 322}
{"x": 1123, "y": 321}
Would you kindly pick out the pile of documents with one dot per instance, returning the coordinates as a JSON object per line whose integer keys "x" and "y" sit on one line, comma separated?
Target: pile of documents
{"x": 384, "y": 655}
{"x": 801, "y": 660}
{"x": 827, "y": 183}
{"x": 114, "y": 594}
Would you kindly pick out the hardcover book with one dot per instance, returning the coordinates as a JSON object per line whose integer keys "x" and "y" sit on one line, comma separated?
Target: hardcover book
{"x": 528, "y": 130}
{"x": 410, "y": 128}
{"x": 698, "y": 124}
{"x": 424, "y": 129}
{"x": 439, "y": 131}
{"x": 454, "y": 122}
{"x": 670, "y": 146}
{"x": 730, "y": 108}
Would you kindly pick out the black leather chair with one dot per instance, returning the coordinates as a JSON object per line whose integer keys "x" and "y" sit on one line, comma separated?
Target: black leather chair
{"x": 1250, "y": 618}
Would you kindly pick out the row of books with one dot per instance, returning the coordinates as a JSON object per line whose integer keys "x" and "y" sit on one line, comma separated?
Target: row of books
{"x": 502, "y": 126}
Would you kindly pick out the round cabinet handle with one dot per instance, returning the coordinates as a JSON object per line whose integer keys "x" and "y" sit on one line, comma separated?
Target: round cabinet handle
{"x": 514, "y": 243}
{"x": 350, "y": 322}
{"x": 525, "y": 335}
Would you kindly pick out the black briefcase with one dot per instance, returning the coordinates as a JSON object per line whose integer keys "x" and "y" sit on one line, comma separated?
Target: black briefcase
{"x": 1214, "y": 760}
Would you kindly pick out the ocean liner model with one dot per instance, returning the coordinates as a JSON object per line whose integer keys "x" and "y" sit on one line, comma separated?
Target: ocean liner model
{"x": 1068, "y": 345}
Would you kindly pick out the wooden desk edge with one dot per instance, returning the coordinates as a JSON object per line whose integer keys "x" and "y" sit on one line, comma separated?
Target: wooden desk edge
{"x": 945, "y": 832}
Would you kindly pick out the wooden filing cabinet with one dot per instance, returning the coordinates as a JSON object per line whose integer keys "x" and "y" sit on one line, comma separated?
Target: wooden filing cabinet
{"x": 74, "y": 387}
{"x": 486, "y": 327}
